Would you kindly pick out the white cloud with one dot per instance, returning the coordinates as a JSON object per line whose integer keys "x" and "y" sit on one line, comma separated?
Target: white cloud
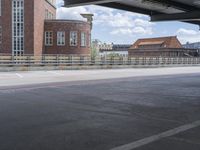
{"x": 71, "y": 13}
{"x": 119, "y": 22}
{"x": 186, "y": 35}
{"x": 132, "y": 31}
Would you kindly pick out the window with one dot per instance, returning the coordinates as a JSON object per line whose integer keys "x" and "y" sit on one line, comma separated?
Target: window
{"x": 48, "y": 38}
{"x": 18, "y": 27}
{"x": 48, "y": 14}
{"x": 73, "y": 38}
{"x": 0, "y": 35}
{"x": 83, "y": 39}
{"x": 60, "y": 38}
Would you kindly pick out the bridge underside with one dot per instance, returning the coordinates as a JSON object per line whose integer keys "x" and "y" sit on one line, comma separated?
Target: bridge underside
{"x": 158, "y": 10}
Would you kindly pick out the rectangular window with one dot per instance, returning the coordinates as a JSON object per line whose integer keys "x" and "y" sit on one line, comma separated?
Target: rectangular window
{"x": 48, "y": 38}
{"x": 0, "y": 35}
{"x": 73, "y": 38}
{"x": 83, "y": 39}
{"x": 48, "y": 15}
{"x": 18, "y": 27}
{"x": 60, "y": 38}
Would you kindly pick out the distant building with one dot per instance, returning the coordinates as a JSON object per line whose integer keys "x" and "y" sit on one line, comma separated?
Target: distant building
{"x": 98, "y": 45}
{"x": 117, "y": 49}
{"x": 162, "y": 46}
{"x": 101, "y": 45}
{"x": 192, "y": 45}
{"x": 29, "y": 27}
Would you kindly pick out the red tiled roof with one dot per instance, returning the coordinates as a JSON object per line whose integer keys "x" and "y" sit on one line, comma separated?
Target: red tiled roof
{"x": 168, "y": 42}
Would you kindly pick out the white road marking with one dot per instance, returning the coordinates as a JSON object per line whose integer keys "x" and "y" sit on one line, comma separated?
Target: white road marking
{"x": 19, "y": 75}
{"x": 157, "y": 137}
{"x": 56, "y": 73}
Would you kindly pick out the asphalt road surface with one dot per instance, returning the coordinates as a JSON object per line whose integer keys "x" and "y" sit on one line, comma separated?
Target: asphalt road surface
{"x": 136, "y": 113}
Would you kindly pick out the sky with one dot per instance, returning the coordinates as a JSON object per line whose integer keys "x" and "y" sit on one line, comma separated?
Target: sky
{"x": 123, "y": 27}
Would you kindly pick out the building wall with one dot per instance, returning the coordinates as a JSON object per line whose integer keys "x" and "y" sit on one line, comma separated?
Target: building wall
{"x": 28, "y": 26}
{"x": 34, "y": 16}
{"x": 168, "y": 42}
{"x": 159, "y": 53}
{"x": 162, "y": 46}
{"x": 67, "y": 26}
{"x": 164, "y": 52}
{"x": 35, "y": 26}
{"x": 119, "y": 53}
{"x": 5, "y": 22}
{"x": 39, "y": 17}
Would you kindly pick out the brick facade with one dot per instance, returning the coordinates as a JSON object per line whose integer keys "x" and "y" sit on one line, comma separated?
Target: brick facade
{"x": 5, "y": 23}
{"x": 34, "y": 28}
{"x": 67, "y": 26}
{"x": 162, "y": 46}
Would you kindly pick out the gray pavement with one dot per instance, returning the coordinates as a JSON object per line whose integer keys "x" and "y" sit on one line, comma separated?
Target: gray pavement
{"x": 37, "y": 77}
{"x": 102, "y": 114}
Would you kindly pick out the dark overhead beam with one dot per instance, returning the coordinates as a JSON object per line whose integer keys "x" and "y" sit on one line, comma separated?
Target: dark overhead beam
{"x": 128, "y": 8}
{"x": 72, "y": 3}
{"x": 193, "y": 22}
{"x": 174, "y": 4}
{"x": 188, "y": 16}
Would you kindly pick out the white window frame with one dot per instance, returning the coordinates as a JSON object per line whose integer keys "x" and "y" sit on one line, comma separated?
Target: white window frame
{"x": 61, "y": 38}
{"x": 73, "y": 38}
{"x": 48, "y": 38}
{"x": 83, "y": 39}
{"x": 18, "y": 27}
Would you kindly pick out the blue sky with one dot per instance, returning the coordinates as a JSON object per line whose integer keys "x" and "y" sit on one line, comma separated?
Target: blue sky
{"x": 122, "y": 27}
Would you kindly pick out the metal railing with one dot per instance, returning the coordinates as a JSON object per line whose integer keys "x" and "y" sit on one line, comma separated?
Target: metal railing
{"x": 87, "y": 60}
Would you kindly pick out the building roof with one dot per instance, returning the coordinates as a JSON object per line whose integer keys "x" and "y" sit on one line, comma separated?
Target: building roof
{"x": 66, "y": 21}
{"x": 151, "y": 43}
{"x": 158, "y": 10}
{"x": 166, "y": 42}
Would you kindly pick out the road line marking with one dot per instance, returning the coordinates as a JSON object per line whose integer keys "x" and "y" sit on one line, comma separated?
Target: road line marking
{"x": 142, "y": 142}
{"x": 56, "y": 73}
{"x": 19, "y": 75}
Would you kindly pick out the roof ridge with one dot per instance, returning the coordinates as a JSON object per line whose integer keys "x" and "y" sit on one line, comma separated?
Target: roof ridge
{"x": 158, "y": 37}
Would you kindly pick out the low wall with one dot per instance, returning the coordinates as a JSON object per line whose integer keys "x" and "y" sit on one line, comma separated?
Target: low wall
{"x": 84, "y": 67}
{"x": 60, "y": 62}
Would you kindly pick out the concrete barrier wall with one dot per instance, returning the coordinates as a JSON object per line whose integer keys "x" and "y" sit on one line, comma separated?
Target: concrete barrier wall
{"x": 60, "y": 62}
{"x": 84, "y": 67}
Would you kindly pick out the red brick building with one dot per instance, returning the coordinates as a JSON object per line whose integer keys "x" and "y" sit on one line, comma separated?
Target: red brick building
{"x": 162, "y": 46}
{"x": 29, "y": 27}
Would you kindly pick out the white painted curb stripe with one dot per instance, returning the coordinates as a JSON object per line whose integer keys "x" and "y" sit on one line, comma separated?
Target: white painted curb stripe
{"x": 157, "y": 137}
